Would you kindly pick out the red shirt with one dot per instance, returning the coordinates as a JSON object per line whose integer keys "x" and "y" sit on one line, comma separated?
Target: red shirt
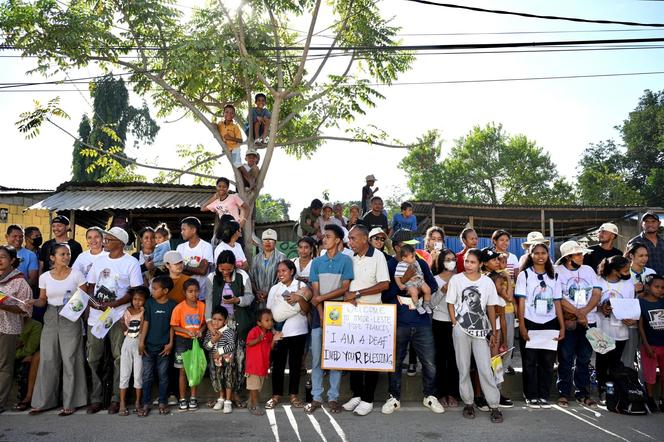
{"x": 460, "y": 267}
{"x": 258, "y": 356}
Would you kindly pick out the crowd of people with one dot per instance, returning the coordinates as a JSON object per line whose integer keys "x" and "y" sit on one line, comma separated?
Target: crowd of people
{"x": 254, "y": 317}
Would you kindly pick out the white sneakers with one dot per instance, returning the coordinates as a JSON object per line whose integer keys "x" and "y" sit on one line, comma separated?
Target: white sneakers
{"x": 218, "y": 405}
{"x": 431, "y": 402}
{"x": 352, "y": 404}
{"x": 228, "y": 407}
{"x": 363, "y": 408}
{"x": 391, "y": 405}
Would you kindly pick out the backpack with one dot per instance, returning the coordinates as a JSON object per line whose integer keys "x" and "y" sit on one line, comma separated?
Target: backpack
{"x": 629, "y": 396}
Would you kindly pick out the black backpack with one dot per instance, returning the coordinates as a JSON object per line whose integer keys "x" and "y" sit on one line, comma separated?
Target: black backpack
{"x": 629, "y": 396}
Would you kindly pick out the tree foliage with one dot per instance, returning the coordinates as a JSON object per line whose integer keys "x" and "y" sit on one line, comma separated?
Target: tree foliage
{"x": 269, "y": 209}
{"x": 113, "y": 119}
{"x": 485, "y": 166}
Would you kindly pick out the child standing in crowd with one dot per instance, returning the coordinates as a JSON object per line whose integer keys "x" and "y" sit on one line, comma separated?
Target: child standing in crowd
{"x": 368, "y": 193}
{"x": 231, "y": 134}
{"x": 260, "y": 342}
{"x": 188, "y": 322}
{"x": 405, "y": 219}
{"x": 260, "y": 120}
{"x": 175, "y": 266}
{"x": 156, "y": 342}
{"x": 130, "y": 359}
{"x": 162, "y": 236}
{"x": 651, "y": 327}
{"x": 416, "y": 284}
{"x": 220, "y": 341}
{"x": 538, "y": 309}
{"x": 471, "y": 298}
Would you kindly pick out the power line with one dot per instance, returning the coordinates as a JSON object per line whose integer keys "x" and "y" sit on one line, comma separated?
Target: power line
{"x": 546, "y": 17}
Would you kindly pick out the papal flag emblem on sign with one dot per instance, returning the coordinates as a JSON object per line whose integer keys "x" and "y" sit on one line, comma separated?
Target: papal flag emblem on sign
{"x": 334, "y": 315}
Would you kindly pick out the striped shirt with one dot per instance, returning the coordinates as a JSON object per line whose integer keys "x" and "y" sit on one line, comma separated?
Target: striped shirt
{"x": 225, "y": 344}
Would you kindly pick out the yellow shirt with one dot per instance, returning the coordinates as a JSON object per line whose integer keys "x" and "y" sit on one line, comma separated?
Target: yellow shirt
{"x": 232, "y": 130}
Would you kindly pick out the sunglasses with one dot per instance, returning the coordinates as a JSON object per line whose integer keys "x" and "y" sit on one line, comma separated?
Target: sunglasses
{"x": 541, "y": 280}
{"x": 379, "y": 238}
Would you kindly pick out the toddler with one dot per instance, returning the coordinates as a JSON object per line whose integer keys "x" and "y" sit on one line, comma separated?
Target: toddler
{"x": 162, "y": 236}
{"x": 414, "y": 284}
{"x": 260, "y": 342}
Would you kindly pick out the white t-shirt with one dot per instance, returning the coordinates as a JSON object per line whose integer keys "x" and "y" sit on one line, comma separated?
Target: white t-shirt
{"x": 610, "y": 325}
{"x": 193, "y": 257}
{"x": 512, "y": 264}
{"x": 439, "y": 301}
{"x": 640, "y": 277}
{"x": 470, "y": 299}
{"x": 58, "y": 292}
{"x": 539, "y": 291}
{"x": 240, "y": 257}
{"x": 369, "y": 270}
{"x": 576, "y": 286}
{"x": 295, "y": 325}
{"x": 85, "y": 260}
{"x": 302, "y": 272}
{"x": 112, "y": 277}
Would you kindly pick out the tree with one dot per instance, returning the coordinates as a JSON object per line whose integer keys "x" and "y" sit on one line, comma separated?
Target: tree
{"x": 113, "y": 118}
{"x": 269, "y": 209}
{"x": 485, "y": 166}
{"x": 220, "y": 56}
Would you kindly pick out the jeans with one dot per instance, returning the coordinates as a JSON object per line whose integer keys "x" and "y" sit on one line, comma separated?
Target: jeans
{"x": 422, "y": 340}
{"x": 317, "y": 371}
{"x": 447, "y": 374}
{"x": 574, "y": 353}
{"x": 152, "y": 361}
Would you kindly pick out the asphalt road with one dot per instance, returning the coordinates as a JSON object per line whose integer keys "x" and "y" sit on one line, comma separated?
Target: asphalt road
{"x": 412, "y": 423}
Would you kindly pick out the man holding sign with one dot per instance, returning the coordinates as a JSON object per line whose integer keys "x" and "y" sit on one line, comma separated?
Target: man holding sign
{"x": 412, "y": 328}
{"x": 108, "y": 281}
{"x": 371, "y": 279}
{"x": 330, "y": 278}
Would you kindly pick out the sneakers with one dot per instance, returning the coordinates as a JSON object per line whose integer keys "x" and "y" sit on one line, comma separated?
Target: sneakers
{"x": 533, "y": 403}
{"x": 431, "y": 402}
{"x": 193, "y": 403}
{"x": 412, "y": 370}
{"x": 228, "y": 407}
{"x": 184, "y": 405}
{"x": 505, "y": 402}
{"x": 421, "y": 310}
{"x": 481, "y": 404}
{"x": 352, "y": 404}
{"x": 363, "y": 408}
{"x": 218, "y": 405}
{"x": 391, "y": 405}
{"x": 427, "y": 308}
{"x": 172, "y": 400}
{"x": 544, "y": 403}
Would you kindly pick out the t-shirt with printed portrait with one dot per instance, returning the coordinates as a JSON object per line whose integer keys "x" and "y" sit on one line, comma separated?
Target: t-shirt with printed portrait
{"x": 539, "y": 290}
{"x": 576, "y": 287}
{"x": 610, "y": 324}
{"x": 470, "y": 299}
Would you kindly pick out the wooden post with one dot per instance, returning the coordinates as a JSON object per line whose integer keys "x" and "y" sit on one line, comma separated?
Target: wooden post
{"x": 471, "y": 222}
{"x": 433, "y": 214}
{"x": 552, "y": 237}
{"x": 542, "y": 221}
{"x": 72, "y": 223}
{"x": 50, "y": 221}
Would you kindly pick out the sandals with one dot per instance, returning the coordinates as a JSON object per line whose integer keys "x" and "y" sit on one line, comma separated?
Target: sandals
{"x": 164, "y": 409}
{"x": 296, "y": 402}
{"x": 335, "y": 407}
{"x": 312, "y": 406}
{"x": 563, "y": 402}
{"x": 469, "y": 412}
{"x": 22, "y": 406}
{"x": 123, "y": 412}
{"x": 36, "y": 411}
{"x": 496, "y": 416}
{"x": 587, "y": 401}
{"x": 66, "y": 412}
{"x": 256, "y": 411}
{"x": 452, "y": 402}
{"x": 237, "y": 403}
{"x": 272, "y": 403}
{"x": 143, "y": 412}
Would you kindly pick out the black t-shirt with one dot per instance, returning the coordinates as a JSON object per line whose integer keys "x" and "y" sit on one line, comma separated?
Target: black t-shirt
{"x": 598, "y": 254}
{"x": 158, "y": 317}
{"x": 370, "y": 220}
{"x": 45, "y": 252}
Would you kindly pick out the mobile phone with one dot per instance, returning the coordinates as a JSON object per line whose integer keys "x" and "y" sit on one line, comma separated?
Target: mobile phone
{"x": 227, "y": 296}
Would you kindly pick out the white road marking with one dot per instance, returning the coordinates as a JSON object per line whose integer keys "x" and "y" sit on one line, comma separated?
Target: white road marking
{"x": 643, "y": 434}
{"x": 590, "y": 423}
{"x": 293, "y": 422}
{"x": 273, "y": 423}
{"x": 316, "y": 426}
{"x": 336, "y": 425}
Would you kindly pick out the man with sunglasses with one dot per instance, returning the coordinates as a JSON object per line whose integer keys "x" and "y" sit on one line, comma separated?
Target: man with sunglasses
{"x": 60, "y": 228}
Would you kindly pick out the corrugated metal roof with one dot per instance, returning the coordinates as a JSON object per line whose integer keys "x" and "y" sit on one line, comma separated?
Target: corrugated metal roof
{"x": 116, "y": 198}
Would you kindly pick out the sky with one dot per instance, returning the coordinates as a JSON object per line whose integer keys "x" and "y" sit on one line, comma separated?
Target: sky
{"x": 562, "y": 116}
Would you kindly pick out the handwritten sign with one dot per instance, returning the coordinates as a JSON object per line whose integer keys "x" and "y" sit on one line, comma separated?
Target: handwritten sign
{"x": 361, "y": 337}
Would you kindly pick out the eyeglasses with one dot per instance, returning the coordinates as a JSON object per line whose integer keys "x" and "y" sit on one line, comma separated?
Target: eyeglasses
{"x": 541, "y": 280}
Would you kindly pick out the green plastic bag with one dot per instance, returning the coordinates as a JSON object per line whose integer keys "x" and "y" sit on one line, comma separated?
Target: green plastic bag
{"x": 195, "y": 363}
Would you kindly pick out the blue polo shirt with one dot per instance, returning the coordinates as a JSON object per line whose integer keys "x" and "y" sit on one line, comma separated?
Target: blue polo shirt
{"x": 329, "y": 273}
{"x": 28, "y": 261}
{"x": 401, "y": 222}
{"x": 405, "y": 316}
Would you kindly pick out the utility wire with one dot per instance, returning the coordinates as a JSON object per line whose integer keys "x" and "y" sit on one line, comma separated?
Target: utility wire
{"x": 546, "y": 17}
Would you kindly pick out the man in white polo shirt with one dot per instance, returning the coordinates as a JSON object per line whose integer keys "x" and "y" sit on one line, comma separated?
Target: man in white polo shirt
{"x": 371, "y": 278}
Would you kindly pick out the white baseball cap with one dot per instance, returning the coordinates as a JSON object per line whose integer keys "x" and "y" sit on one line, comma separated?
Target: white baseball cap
{"x": 269, "y": 234}
{"x": 118, "y": 233}
{"x": 609, "y": 227}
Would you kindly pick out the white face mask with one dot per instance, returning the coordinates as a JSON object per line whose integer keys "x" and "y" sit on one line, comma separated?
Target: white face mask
{"x": 438, "y": 245}
{"x": 450, "y": 265}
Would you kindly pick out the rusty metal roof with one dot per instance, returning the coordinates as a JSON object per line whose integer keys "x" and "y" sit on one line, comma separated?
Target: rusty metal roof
{"x": 127, "y": 196}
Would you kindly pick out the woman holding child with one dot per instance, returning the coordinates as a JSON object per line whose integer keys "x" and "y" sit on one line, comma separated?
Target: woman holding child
{"x": 231, "y": 288}
{"x": 289, "y": 302}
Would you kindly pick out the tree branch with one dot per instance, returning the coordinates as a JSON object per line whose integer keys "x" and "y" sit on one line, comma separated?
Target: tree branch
{"x": 351, "y": 140}
{"x": 277, "y": 43}
{"x": 305, "y": 53}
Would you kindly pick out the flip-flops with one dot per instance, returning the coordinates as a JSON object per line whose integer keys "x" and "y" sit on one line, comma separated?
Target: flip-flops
{"x": 312, "y": 406}
{"x": 66, "y": 412}
{"x": 256, "y": 411}
{"x": 272, "y": 403}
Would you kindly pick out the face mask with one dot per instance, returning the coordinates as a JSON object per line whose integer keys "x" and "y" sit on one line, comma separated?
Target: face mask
{"x": 574, "y": 265}
{"x": 438, "y": 245}
{"x": 450, "y": 265}
{"x": 37, "y": 241}
{"x": 625, "y": 277}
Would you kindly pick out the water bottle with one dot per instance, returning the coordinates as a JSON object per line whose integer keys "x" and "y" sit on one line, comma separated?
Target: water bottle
{"x": 610, "y": 392}
{"x": 308, "y": 398}
{"x": 65, "y": 299}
